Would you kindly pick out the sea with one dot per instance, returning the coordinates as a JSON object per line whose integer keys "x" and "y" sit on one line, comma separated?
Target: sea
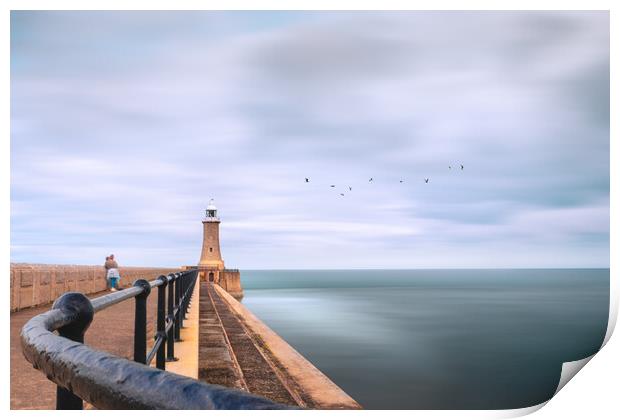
{"x": 437, "y": 339}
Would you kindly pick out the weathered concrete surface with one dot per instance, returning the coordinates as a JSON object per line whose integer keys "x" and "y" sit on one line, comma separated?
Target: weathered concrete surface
{"x": 302, "y": 377}
{"x": 230, "y": 347}
{"x": 239, "y": 350}
{"x": 216, "y": 362}
{"x": 186, "y": 350}
{"x": 40, "y": 284}
{"x": 111, "y": 331}
{"x": 228, "y": 279}
{"x": 254, "y": 369}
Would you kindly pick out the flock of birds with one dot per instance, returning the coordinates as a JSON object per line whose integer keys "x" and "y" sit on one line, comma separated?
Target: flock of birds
{"x": 426, "y": 180}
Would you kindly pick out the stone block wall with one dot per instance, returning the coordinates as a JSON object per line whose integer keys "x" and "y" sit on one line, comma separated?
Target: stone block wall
{"x": 40, "y": 284}
{"x": 227, "y": 279}
{"x": 231, "y": 282}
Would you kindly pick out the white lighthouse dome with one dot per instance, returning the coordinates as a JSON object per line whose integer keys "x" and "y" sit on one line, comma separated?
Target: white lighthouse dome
{"x": 211, "y": 212}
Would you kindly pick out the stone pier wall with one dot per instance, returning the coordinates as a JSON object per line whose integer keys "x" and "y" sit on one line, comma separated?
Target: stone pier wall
{"x": 40, "y": 284}
{"x": 231, "y": 282}
{"x": 306, "y": 384}
{"x": 228, "y": 279}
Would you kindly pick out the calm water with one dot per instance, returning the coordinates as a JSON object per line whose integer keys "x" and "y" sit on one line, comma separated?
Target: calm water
{"x": 437, "y": 339}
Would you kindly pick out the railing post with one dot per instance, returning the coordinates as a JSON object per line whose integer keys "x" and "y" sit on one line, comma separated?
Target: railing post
{"x": 183, "y": 299}
{"x": 188, "y": 293}
{"x": 170, "y": 340}
{"x": 160, "y": 362}
{"x": 177, "y": 299}
{"x": 139, "y": 337}
{"x": 191, "y": 281}
{"x": 82, "y": 312}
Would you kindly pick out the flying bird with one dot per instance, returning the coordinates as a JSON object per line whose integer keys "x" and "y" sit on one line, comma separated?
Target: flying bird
{"x": 401, "y": 181}
{"x": 307, "y": 180}
{"x": 462, "y": 167}
{"x": 449, "y": 167}
{"x": 332, "y": 186}
{"x": 350, "y": 189}
{"x": 426, "y": 180}
{"x": 370, "y": 180}
{"x": 342, "y": 194}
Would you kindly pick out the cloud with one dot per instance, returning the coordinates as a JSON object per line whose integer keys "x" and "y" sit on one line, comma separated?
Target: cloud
{"x": 125, "y": 124}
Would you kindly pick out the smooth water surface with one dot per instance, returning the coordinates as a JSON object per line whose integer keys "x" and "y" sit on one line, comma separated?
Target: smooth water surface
{"x": 436, "y": 339}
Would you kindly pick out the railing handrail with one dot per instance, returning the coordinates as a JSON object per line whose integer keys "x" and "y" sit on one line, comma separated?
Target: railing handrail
{"x": 111, "y": 382}
{"x": 102, "y": 302}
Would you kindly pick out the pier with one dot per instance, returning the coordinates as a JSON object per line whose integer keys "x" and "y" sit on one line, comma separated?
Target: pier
{"x": 177, "y": 339}
{"x": 231, "y": 348}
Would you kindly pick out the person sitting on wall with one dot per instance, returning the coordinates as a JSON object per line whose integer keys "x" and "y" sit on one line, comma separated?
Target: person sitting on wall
{"x": 112, "y": 274}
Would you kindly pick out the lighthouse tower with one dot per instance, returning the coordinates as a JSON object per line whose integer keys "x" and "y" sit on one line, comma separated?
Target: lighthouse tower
{"x": 211, "y": 265}
{"x": 211, "y": 256}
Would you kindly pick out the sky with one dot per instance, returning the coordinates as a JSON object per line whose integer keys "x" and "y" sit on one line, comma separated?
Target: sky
{"x": 125, "y": 124}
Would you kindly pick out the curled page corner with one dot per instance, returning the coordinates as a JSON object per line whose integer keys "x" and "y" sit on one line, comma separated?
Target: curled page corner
{"x": 613, "y": 313}
{"x": 519, "y": 412}
{"x": 570, "y": 369}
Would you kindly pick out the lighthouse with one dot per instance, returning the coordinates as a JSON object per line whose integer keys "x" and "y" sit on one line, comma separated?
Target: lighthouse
{"x": 211, "y": 264}
{"x": 211, "y": 256}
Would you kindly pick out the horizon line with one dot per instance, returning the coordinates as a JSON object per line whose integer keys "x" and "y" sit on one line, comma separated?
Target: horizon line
{"x": 359, "y": 268}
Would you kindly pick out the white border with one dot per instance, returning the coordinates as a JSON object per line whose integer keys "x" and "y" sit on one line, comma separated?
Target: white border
{"x": 593, "y": 395}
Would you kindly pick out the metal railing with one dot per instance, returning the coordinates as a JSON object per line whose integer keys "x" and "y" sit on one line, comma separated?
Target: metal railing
{"x": 110, "y": 382}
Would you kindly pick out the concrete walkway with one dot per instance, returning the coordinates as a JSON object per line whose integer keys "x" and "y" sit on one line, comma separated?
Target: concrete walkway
{"x": 187, "y": 349}
{"x": 222, "y": 343}
{"x": 229, "y": 356}
{"x": 215, "y": 348}
{"x": 111, "y": 331}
